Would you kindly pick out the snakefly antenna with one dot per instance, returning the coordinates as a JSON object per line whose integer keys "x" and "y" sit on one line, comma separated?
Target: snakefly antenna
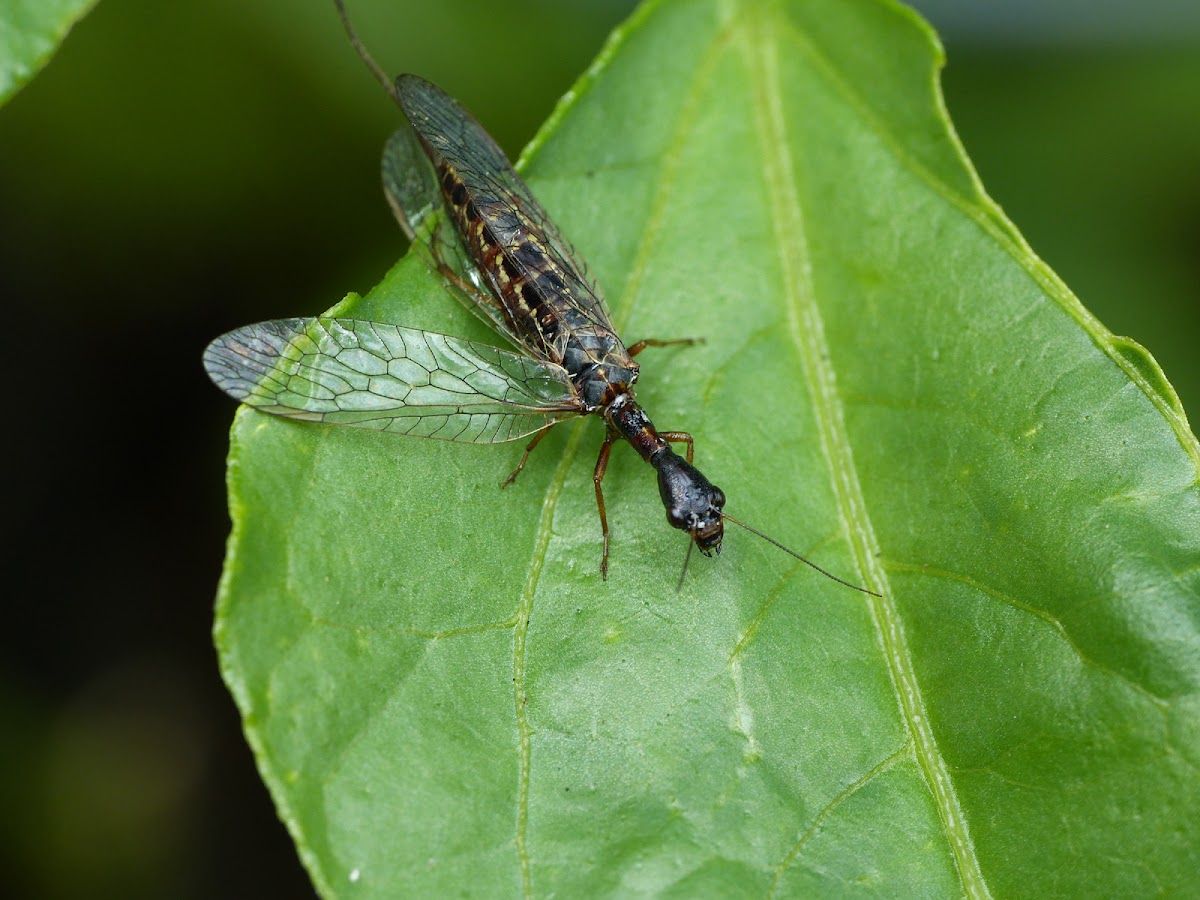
{"x": 787, "y": 550}
{"x": 364, "y": 54}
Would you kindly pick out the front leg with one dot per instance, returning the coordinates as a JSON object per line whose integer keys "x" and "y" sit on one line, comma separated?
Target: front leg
{"x": 679, "y": 437}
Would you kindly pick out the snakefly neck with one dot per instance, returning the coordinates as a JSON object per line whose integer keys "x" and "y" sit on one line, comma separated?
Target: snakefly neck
{"x": 477, "y": 225}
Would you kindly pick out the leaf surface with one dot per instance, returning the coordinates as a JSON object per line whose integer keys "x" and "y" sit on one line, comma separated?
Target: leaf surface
{"x": 443, "y": 696}
{"x": 30, "y": 32}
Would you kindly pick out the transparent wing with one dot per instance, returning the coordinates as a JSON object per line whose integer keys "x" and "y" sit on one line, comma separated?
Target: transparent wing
{"x": 372, "y": 375}
{"x": 411, "y": 187}
{"x": 448, "y": 132}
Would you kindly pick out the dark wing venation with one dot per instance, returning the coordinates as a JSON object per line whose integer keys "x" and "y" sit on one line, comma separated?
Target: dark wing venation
{"x": 411, "y": 187}
{"x": 449, "y": 132}
{"x": 388, "y": 378}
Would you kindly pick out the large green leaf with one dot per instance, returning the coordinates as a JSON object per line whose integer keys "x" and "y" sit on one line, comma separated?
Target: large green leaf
{"x": 445, "y": 698}
{"x": 30, "y": 32}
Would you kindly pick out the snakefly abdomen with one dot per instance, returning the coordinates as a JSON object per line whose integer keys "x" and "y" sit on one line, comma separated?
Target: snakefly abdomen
{"x": 522, "y": 271}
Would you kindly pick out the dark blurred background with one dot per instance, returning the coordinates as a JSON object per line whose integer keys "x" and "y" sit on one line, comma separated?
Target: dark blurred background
{"x": 182, "y": 168}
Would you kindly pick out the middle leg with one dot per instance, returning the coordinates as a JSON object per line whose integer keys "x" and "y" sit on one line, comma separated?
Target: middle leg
{"x": 597, "y": 477}
{"x": 679, "y": 437}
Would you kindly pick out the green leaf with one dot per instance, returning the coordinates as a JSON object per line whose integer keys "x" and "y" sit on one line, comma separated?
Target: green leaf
{"x": 30, "y": 32}
{"x": 444, "y": 697}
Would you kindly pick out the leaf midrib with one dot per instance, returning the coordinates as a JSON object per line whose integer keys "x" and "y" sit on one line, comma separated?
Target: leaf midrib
{"x": 807, "y": 334}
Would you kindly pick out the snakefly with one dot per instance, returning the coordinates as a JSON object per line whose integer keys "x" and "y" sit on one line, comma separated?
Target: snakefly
{"x": 468, "y": 213}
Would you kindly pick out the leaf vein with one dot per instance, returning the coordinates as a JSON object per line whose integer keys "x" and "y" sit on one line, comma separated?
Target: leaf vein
{"x": 905, "y": 752}
{"x": 1052, "y": 621}
{"x": 648, "y": 239}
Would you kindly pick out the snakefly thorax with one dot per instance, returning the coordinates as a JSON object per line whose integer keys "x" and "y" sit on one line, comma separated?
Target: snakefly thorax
{"x": 599, "y": 367}
{"x": 536, "y": 296}
{"x": 693, "y": 503}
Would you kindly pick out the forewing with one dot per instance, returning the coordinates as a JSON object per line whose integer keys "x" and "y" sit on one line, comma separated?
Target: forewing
{"x": 412, "y": 191}
{"x": 450, "y": 133}
{"x": 388, "y": 378}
